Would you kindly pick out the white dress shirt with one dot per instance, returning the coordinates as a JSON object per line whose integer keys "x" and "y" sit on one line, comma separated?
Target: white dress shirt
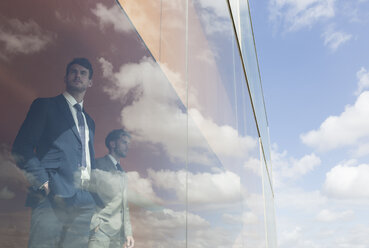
{"x": 85, "y": 170}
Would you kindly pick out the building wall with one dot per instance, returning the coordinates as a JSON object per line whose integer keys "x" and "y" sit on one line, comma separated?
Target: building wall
{"x": 182, "y": 81}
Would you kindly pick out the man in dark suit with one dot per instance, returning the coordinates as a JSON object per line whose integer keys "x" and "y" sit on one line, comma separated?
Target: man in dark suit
{"x": 54, "y": 147}
{"x": 110, "y": 225}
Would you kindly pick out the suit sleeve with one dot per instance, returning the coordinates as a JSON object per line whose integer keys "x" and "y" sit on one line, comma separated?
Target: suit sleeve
{"x": 103, "y": 185}
{"x": 27, "y": 141}
{"x": 127, "y": 220}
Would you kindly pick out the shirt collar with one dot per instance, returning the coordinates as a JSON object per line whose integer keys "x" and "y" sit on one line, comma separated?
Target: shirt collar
{"x": 112, "y": 159}
{"x": 70, "y": 99}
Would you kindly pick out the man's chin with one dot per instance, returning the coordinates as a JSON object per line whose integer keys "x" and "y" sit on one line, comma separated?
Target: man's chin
{"x": 76, "y": 89}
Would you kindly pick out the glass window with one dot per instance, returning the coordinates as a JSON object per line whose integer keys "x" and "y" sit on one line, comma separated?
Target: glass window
{"x": 164, "y": 150}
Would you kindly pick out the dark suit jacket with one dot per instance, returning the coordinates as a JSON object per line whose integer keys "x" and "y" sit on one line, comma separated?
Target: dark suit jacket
{"x": 48, "y": 147}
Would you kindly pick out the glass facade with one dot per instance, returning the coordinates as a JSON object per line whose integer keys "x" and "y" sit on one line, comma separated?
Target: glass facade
{"x": 181, "y": 77}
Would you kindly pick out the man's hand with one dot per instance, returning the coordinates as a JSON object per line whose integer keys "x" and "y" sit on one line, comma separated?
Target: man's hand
{"x": 130, "y": 242}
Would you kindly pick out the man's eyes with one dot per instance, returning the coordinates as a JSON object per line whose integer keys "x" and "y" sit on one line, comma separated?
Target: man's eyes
{"x": 84, "y": 73}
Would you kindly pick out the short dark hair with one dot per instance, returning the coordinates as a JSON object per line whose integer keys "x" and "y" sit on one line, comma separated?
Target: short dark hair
{"x": 115, "y": 135}
{"x": 82, "y": 62}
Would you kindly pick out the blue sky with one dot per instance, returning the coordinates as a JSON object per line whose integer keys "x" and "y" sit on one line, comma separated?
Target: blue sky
{"x": 313, "y": 56}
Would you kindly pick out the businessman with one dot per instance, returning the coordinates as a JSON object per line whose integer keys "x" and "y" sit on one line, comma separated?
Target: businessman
{"x": 54, "y": 147}
{"x": 110, "y": 225}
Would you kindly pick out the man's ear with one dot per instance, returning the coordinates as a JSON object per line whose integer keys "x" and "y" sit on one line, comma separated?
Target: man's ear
{"x": 112, "y": 144}
{"x": 90, "y": 83}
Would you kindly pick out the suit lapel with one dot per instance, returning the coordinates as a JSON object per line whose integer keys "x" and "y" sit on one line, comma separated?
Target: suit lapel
{"x": 110, "y": 164}
{"x": 64, "y": 107}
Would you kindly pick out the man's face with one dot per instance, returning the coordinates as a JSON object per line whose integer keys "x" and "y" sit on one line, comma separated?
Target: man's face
{"x": 77, "y": 79}
{"x": 121, "y": 146}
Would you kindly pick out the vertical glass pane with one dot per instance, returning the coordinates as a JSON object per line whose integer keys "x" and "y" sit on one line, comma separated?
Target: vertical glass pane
{"x": 254, "y": 230}
{"x": 146, "y": 18}
{"x": 161, "y": 26}
{"x": 223, "y": 188}
{"x": 246, "y": 39}
{"x": 269, "y": 210}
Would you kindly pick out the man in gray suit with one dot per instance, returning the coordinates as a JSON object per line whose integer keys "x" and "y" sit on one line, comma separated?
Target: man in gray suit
{"x": 110, "y": 225}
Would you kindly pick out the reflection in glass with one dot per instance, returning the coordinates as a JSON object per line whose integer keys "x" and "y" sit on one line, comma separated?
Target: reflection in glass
{"x": 168, "y": 72}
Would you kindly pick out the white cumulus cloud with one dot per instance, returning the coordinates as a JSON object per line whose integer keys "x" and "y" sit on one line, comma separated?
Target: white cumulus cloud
{"x": 288, "y": 167}
{"x": 253, "y": 164}
{"x": 166, "y": 228}
{"x": 348, "y": 181}
{"x": 214, "y": 16}
{"x": 154, "y": 114}
{"x": 361, "y": 150}
{"x": 203, "y": 188}
{"x": 140, "y": 190}
{"x": 22, "y": 37}
{"x": 224, "y": 139}
{"x": 113, "y": 16}
{"x": 346, "y": 129}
